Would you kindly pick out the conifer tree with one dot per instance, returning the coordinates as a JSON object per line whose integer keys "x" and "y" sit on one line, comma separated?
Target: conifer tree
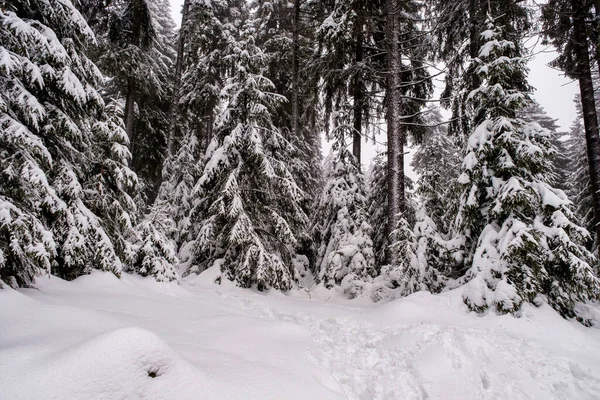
{"x": 246, "y": 214}
{"x": 577, "y": 173}
{"x": 286, "y": 36}
{"x": 520, "y": 241}
{"x": 342, "y": 232}
{"x": 208, "y": 27}
{"x": 534, "y": 112}
{"x": 407, "y": 90}
{"x": 437, "y": 162}
{"x": 154, "y": 250}
{"x": 350, "y": 62}
{"x": 136, "y": 50}
{"x": 565, "y": 26}
{"x": 64, "y": 176}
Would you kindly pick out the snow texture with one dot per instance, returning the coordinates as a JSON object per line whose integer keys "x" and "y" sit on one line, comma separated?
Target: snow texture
{"x": 92, "y": 338}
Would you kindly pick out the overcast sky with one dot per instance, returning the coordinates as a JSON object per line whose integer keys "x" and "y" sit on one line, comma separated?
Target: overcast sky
{"x": 553, "y": 91}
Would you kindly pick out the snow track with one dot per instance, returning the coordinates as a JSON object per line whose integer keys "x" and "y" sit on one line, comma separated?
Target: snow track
{"x": 432, "y": 361}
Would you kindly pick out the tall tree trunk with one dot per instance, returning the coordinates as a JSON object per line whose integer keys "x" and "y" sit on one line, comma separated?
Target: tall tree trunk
{"x": 174, "y": 112}
{"x": 130, "y": 111}
{"x": 358, "y": 94}
{"x": 588, "y": 104}
{"x": 597, "y": 20}
{"x": 395, "y": 172}
{"x": 295, "y": 68}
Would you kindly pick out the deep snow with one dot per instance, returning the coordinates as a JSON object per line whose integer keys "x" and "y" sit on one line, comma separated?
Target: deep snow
{"x": 99, "y": 337}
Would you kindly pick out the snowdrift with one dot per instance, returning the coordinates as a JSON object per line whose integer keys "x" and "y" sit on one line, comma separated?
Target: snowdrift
{"x": 76, "y": 341}
{"x": 124, "y": 363}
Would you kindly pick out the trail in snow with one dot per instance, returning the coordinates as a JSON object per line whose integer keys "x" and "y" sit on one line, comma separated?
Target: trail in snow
{"x": 432, "y": 361}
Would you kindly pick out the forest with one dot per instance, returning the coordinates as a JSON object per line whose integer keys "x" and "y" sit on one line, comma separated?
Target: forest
{"x": 133, "y": 147}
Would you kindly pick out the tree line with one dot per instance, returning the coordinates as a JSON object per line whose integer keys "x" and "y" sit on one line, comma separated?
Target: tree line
{"x": 128, "y": 146}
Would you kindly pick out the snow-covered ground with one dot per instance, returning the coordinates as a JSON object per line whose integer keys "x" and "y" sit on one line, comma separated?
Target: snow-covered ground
{"x": 104, "y": 338}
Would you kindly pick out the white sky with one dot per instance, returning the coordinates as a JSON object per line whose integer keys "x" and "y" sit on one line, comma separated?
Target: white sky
{"x": 553, "y": 91}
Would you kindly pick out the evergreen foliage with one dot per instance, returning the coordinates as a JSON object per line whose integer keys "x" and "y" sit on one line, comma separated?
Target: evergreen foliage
{"x": 154, "y": 251}
{"x": 342, "y": 232}
{"x": 520, "y": 241}
{"x": 136, "y": 50}
{"x": 64, "y": 178}
{"x": 578, "y": 174}
{"x": 437, "y": 162}
{"x": 246, "y": 214}
{"x": 534, "y": 112}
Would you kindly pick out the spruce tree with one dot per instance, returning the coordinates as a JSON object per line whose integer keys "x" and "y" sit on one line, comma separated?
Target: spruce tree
{"x": 64, "y": 177}
{"x": 578, "y": 185}
{"x": 349, "y": 61}
{"x": 437, "y": 162}
{"x": 520, "y": 241}
{"x": 565, "y": 26}
{"x": 136, "y": 50}
{"x": 534, "y": 112}
{"x": 342, "y": 232}
{"x": 246, "y": 214}
{"x": 155, "y": 252}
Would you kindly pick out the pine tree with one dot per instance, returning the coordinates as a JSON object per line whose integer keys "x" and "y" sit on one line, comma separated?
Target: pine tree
{"x": 136, "y": 50}
{"x": 437, "y": 162}
{"x": 565, "y": 26}
{"x": 408, "y": 87}
{"x": 246, "y": 216}
{"x": 520, "y": 241}
{"x": 341, "y": 231}
{"x": 534, "y": 112}
{"x": 62, "y": 150}
{"x": 349, "y": 62}
{"x": 577, "y": 172}
{"x": 154, "y": 250}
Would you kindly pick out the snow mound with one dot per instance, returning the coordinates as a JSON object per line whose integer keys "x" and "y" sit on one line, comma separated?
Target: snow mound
{"x": 118, "y": 364}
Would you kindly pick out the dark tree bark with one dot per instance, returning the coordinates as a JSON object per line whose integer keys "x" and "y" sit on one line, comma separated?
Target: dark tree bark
{"x": 130, "y": 111}
{"x": 590, "y": 119}
{"x": 295, "y": 68}
{"x": 395, "y": 140}
{"x": 358, "y": 94}
{"x": 173, "y": 117}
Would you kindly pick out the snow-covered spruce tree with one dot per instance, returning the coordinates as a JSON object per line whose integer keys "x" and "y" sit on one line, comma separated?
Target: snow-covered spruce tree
{"x": 437, "y": 162}
{"x": 577, "y": 175}
{"x": 341, "y": 231}
{"x": 377, "y": 205}
{"x": 181, "y": 171}
{"x": 246, "y": 213}
{"x": 155, "y": 253}
{"x": 423, "y": 260}
{"x": 208, "y": 27}
{"x": 285, "y": 35}
{"x": 377, "y": 208}
{"x": 350, "y": 60}
{"x": 53, "y": 123}
{"x": 520, "y": 244}
{"x": 534, "y": 112}
{"x": 136, "y": 51}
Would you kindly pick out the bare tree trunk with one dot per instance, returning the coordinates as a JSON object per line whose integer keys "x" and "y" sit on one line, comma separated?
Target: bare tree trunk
{"x": 295, "y": 68}
{"x": 130, "y": 111}
{"x": 358, "y": 95}
{"x": 588, "y": 104}
{"x": 597, "y": 20}
{"x": 395, "y": 141}
{"x": 174, "y": 112}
